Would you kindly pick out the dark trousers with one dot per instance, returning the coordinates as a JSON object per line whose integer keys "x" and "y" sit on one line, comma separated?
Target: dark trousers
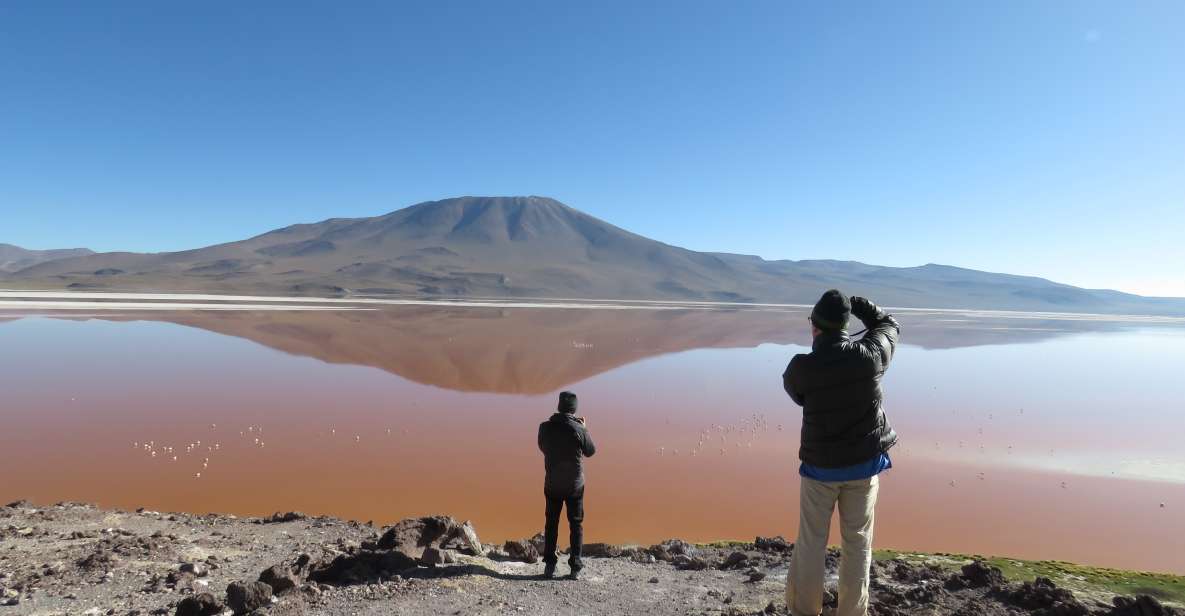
{"x": 574, "y": 502}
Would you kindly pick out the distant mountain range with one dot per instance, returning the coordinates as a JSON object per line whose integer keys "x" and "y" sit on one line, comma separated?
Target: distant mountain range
{"x": 15, "y": 258}
{"x": 534, "y": 247}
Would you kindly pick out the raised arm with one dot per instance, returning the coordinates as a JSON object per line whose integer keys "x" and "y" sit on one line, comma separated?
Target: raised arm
{"x": 880, "y": 340}
{"x": 587, "y": 447}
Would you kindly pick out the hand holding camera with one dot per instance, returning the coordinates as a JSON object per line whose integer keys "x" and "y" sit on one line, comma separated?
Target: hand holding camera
{"x": 864, "y": 309}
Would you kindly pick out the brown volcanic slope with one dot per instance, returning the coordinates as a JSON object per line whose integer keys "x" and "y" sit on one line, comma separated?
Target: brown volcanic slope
{"x": 539, "y": 247}
{"x": 15, "y": 258}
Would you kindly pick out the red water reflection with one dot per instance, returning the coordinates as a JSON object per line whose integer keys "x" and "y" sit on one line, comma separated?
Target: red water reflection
{"x": 80, "y": 394}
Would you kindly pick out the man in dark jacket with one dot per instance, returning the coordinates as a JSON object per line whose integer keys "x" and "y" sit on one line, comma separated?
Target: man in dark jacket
{"x": 565, "y": 442}
{"x": 845, "y": 445}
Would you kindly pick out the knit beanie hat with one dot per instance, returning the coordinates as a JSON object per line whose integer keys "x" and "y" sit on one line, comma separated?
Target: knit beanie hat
{"x": 567, "y": 403}
{"x": 831, "y": 312}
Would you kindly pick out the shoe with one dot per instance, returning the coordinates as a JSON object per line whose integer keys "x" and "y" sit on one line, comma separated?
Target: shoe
{"x": 548, "y": 571}
{"x": 574, "y": 574}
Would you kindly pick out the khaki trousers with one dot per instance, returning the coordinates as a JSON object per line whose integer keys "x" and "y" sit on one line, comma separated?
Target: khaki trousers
{"x": 804, "y": 584}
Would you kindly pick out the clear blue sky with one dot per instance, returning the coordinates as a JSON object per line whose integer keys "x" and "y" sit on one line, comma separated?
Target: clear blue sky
{"x": 1041, "y": 138}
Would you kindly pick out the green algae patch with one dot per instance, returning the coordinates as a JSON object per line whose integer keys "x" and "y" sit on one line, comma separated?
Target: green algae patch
{"x": 1097, "y": 583}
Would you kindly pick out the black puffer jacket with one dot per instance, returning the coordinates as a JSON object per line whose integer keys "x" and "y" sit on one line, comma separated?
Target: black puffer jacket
{"x": 838, "y": 386}
{"x": 565, "y": 443}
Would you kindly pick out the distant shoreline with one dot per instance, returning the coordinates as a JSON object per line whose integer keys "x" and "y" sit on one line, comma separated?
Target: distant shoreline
{"x": 74, "y": 300}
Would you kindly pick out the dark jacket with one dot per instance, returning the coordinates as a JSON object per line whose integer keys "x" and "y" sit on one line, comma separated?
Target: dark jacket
{"x": 838, "y": 387}
{"x": 565, "y": 443}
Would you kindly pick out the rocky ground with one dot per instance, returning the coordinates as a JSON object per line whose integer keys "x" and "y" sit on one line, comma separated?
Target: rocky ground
{"x": 77, "y": 559}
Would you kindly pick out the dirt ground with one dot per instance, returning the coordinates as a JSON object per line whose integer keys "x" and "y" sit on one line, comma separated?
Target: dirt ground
{"x": 76, "y": 559}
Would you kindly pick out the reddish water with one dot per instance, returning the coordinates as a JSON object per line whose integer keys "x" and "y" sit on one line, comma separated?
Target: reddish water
{"x": 1080, "y": 474}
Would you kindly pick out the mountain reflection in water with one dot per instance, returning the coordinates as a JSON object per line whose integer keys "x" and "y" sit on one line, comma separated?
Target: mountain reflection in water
{"x": 540, "y": 350}
{"x": 1023, "y": 435}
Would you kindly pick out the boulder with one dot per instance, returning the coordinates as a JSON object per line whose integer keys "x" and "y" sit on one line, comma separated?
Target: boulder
{"x": 1141, "y": 605}
{"x": 361, "y": 566}
{"x": 413, "y": 535}
{"x": 671, "y": 548}
{"x": 522, "y": 550}
{"x": 1043, "y": 594}
{"x": 466, "y": 541}
{"x": 773, "y": 544}
{"x": 678, "y": 547}
{"x": 689, "y": 563}
{"x": 643, "y": 557}
{"x": 601, "y": 550}
{"x": 288, "y": 516}
{"x": 203, "y": 604}
{"x": 736, "y": 560}
{"x": 180, "y": 579}
{"x": 432, "y": 557}
{"x": 246, "y": 597}
{"x": 977, "y": 575}
{"x": 539, "y": 541}
{"x": 281, "y": 578}
{"x": 197, "y": 569}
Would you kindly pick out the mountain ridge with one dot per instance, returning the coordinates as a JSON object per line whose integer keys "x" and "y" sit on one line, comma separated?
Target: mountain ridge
{"x": 539, "y": 247}
{"x": 14, "y": 258}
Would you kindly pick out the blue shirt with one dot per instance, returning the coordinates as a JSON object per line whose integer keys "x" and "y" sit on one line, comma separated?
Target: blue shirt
{"x": 863, "y": 470}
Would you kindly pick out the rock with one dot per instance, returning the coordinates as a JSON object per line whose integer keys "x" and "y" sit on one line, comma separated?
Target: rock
{"x": 290, "y": 516}
{"x": 755, "y": 575}
{"x": 522, "y": 550}
{"x": 658, "y": 552}
{"x": 99, "y": 559}
{"x": 689, "y": 563}
{"x": 244, "y": 598}
{"x": 432, "y": 557}
{"x": 539, "y": 541}
{"x": 94, "y": 611}
{"x": 653, "y": 580}
{"x": 280, "y": 578}
{"x": 678, "y": 547}
{"x": 304, "y": 565}
{"x": 1043, "y": 594}
{"x": 413, "y": 535}
{"x": 773, "y": 544}
{"x": 179, "y": 579}
{"x": 642, "y": 557}
{"x": 1141, "y": 605}
{"x": 203, "y": 604}
{"x": 736, "y": 560}
{"x": 19, "y": 504}
{"x": 977, "y": 574}
{"x": 197, "y": 569}
{"x": 361, "y": 566}
{"x": 466, "y": 541}
{"x": 601, "y": 550}
{"x": 671, "y": 549}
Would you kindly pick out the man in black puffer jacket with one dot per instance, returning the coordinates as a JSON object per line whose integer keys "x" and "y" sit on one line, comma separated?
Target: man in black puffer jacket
{"x": 845, "y": 446}
{"x": 565, "y": 442}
